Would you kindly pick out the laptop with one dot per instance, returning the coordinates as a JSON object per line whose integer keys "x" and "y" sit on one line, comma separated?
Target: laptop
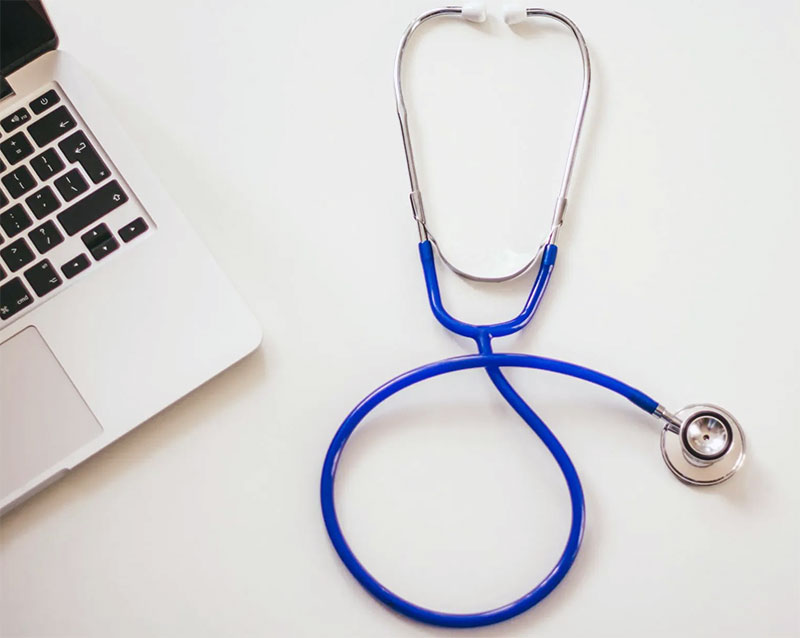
{"x": 111, "y": 308}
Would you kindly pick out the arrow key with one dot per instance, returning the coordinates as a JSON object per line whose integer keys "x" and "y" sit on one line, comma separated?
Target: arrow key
{"x": 132, "y": 230}
{"x": 75, "y": 265}
{"x": 96, "y": 236}
{"x": 106, "y": 248}
{"x": 100, "y": 242}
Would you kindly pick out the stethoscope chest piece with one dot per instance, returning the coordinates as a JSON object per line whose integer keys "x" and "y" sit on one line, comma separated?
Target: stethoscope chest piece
{"x": 706, "y": 448}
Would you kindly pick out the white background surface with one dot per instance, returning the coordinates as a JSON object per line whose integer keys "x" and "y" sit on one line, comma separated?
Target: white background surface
{"x": 273, "y": 126}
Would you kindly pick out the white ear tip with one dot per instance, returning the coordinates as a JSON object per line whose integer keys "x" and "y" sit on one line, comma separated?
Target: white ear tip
{"x": 514, "y": 13}
{"x": 474, "y": 12}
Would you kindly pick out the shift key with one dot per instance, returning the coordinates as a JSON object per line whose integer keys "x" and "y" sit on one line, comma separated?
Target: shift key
{"x": 91, "y": 208}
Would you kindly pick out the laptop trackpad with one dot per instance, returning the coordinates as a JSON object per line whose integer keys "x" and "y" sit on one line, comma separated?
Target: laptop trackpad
{"x": 43, "y": 418}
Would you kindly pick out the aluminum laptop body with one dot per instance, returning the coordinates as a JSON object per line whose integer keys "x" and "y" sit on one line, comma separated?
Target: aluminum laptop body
{"x": 111, "y": 308}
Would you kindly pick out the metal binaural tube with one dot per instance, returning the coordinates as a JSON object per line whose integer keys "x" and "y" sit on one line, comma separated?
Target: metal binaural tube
{"x": 471, "y": 14}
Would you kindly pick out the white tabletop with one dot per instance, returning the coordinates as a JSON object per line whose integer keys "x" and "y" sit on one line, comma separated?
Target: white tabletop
{"x": 273, "y": 126}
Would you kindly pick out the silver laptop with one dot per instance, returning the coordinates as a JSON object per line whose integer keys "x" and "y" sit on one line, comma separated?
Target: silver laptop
{"x": 110, "y": 307}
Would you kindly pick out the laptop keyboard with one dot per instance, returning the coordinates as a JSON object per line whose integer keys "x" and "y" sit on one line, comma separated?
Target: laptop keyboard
{"x": 61, "y": 202}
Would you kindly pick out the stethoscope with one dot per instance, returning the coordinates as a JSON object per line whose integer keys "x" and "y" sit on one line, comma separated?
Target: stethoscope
{"x": 701, "y": 444}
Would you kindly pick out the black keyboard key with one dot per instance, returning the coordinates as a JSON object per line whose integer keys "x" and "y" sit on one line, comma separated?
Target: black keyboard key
{"x": 92, "y": 207}
{"x": 75, "y": 266}
{"x": 2, "y": 166}
{"x": 134, "y": 229}
{"x": 14, "y": 296}
{"x": 51, "y": 126}
{"x": 15, "y": 220}
{"x": 2, "y": 274}
{"x": 77, "y": 148}
{"x": 71, "y": 185}
{"x": 106, "y": 248}
{"x": 44, "y": 102}
{"x": 43, "y": 202}
{"x": 17, "y": 118}
{"x": 16, "y": 148}
{"x": 19, "y": 181}
{"x": 3, "y": 199}
{"x": 100, "y": 242}
{"x": 16, "y": 255}
{"x": 47, "y": 164}
{"x": 96, "y": 236}
{"x": 43, "y": 278}
{"x": 45, "y": 237}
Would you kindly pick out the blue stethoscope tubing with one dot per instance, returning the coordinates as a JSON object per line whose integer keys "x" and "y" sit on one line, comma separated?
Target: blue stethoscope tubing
{"x": 492, "y": 362}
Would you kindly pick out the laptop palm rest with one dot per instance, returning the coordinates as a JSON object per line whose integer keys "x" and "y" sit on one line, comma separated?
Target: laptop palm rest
{"x": 43, "y": 418}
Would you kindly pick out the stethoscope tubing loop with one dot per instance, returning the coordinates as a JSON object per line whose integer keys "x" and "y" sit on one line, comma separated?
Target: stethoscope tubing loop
{"x": 492, "y": 362}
